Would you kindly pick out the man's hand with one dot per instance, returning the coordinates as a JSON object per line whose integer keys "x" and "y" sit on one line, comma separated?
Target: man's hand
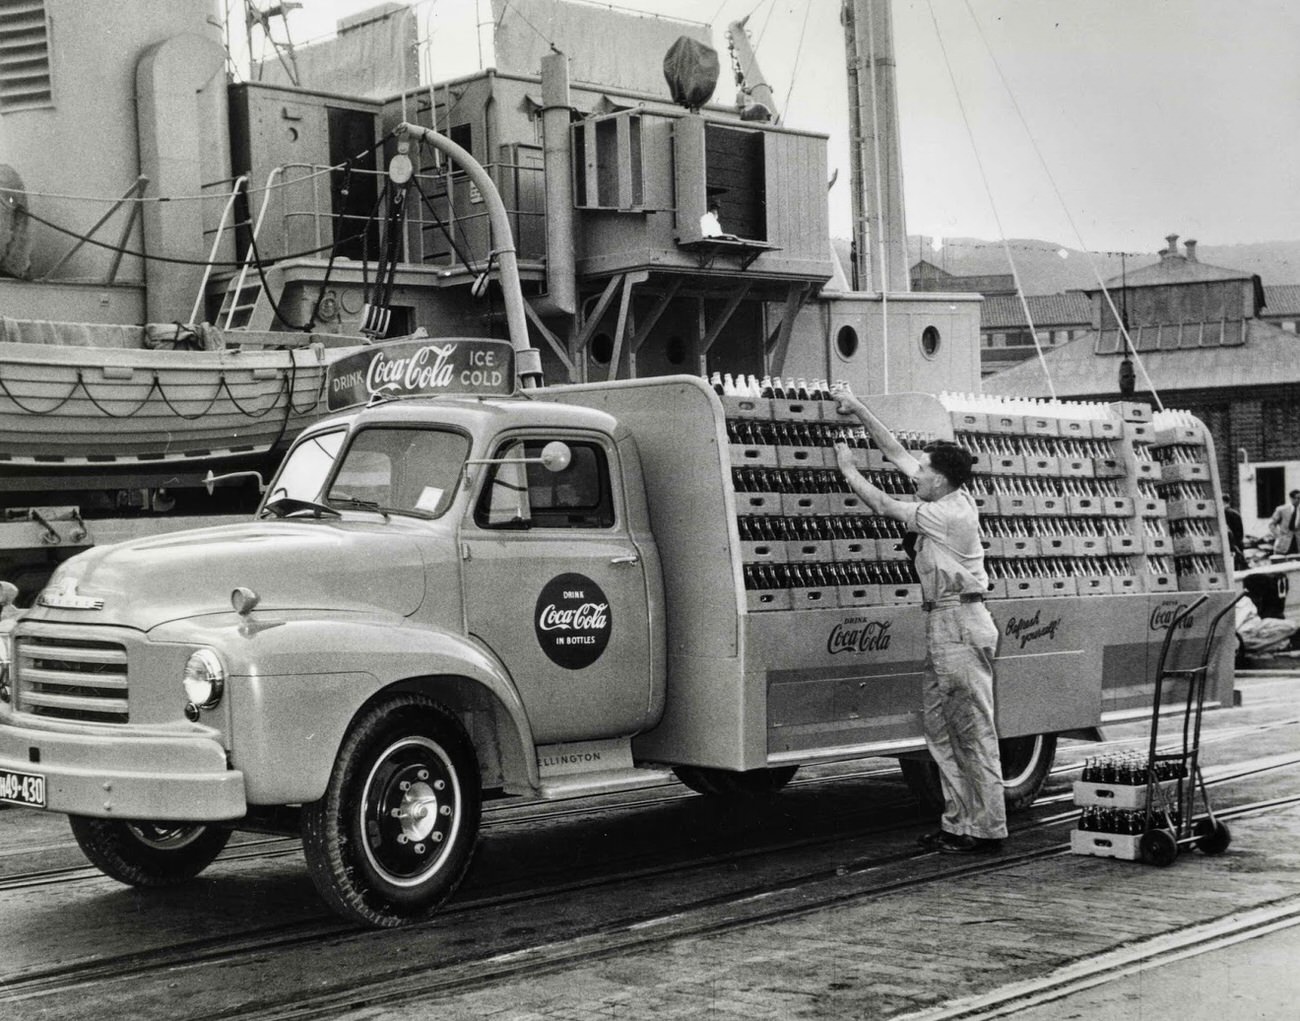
{"x": 845, "y": 402}
{"x": 844, "y": 457}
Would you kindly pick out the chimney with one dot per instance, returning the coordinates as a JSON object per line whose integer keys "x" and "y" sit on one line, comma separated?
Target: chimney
{"x": 1173, "y": 244}
{"x": 1190, "y": 245}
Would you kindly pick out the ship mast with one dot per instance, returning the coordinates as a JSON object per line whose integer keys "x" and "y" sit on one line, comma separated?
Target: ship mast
{"x": 879, "y": 226}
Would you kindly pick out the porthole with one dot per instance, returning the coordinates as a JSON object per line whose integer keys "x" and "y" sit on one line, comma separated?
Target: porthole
{"x": 602, "y": 348}
{"x": 930, "y": 341}
{"x": 846, "y": 342}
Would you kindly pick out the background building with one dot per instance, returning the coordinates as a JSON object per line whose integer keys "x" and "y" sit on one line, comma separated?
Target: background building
{"x": 1203, "y": 337}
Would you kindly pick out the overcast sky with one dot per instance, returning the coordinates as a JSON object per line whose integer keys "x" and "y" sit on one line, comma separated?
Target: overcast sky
{"x": 1152, "y": 116}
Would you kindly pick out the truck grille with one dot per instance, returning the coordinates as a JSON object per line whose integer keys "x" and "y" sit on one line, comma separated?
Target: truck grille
{"x": 71, "y": 679}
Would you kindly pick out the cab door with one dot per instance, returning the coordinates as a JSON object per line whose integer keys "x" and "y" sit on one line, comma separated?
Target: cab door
{"x": 556, "y": 588}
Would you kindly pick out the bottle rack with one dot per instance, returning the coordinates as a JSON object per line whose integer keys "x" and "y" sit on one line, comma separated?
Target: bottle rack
{"x": 1074, "y": 499}
{"x": 807, "y": 540}
{"x": 1112, "y": 798}
{"x": 1187, "y": 487}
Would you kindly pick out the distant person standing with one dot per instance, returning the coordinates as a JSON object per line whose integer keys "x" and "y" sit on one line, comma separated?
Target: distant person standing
{"x": 1236, "y": 536}
{"x": 1284, "y": 526}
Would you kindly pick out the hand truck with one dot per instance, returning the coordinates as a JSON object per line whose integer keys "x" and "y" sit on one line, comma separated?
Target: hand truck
{"x": 1169, "y": 822}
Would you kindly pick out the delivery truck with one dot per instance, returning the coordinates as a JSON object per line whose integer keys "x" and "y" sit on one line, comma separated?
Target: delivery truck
{"x": 541, "y": 593}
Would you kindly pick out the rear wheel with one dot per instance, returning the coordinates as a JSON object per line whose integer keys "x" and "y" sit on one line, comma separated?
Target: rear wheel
{"x": 149, "y": 854}
{"x": 1212, "y": 837}
{"x": 393, "y": 835}
{"x": 1026, "y": 764}
{"x": 723, "y": 783}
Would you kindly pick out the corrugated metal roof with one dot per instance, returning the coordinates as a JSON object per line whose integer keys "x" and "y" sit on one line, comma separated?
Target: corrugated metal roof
{"x": 1003, "y": 312}
{"x": 1270, "y": 356}
{"x": 1282, "y": 300}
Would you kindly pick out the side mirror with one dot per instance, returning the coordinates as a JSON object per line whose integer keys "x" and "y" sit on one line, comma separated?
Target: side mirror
{"x": 556, "y": 456}
{"x": 210, "y": 480}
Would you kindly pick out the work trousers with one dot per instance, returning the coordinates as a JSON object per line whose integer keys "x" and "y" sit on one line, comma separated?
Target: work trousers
{"x": 959, "y": 727}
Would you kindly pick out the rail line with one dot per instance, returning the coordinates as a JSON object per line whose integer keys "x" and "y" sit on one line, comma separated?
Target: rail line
{"x": 802, "y": 891}
{"x": 723, "y": 914}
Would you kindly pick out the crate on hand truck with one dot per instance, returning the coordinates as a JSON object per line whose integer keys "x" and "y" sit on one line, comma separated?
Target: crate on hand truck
{"x": 1146, "y": 811}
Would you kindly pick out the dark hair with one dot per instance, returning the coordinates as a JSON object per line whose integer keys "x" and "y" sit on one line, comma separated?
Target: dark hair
{"x": 1294, "y": 493}
{"x": 950, "y": 461}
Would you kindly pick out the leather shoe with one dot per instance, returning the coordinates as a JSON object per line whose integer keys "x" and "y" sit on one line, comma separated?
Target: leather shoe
{"x": 955, "y": 844}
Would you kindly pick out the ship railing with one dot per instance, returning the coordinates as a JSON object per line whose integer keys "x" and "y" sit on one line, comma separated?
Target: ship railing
{"x": 251, "y": 255}
{"x": 441, "y": 204}
{"x": 216, "y": 245}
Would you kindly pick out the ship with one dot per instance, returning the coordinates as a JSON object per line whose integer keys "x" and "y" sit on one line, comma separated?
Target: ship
{"x": 172, "y": 298}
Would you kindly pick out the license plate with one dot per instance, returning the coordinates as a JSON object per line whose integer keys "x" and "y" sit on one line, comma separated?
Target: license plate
{"x": 22, "y": 788}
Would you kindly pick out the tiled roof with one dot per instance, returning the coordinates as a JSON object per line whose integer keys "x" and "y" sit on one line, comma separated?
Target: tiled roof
{"x": 1175, "y": 269}
{"x": 1003, "y": 312}
{"x": 1281, "y": 300}
{"x": 1269, "y": 356}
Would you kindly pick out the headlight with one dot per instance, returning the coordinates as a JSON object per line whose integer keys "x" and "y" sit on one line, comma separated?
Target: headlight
{"x": 205, "y": 679}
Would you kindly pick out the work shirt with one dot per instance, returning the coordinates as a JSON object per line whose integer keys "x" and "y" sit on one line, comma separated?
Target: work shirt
{"x": 949, "y": 557}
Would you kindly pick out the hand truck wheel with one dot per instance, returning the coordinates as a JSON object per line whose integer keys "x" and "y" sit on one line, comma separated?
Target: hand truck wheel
{"x": 1212, "y": 837}
{"x": 1158, "y": 847}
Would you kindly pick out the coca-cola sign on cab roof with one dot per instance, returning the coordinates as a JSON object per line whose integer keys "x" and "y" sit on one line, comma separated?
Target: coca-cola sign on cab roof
{"x": 421, "y": 367}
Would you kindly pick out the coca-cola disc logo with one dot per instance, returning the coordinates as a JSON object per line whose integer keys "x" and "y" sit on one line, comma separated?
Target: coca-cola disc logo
{"x": 572, "y": 621}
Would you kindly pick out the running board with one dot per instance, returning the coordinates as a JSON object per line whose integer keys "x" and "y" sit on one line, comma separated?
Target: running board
{"x": 604, "y": 782}
{"x": 591, "y": 767}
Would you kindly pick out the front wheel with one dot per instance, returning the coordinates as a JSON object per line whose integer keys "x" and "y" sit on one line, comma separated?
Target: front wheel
{"x": 393, "y": 835}
{"x": 1026, "y": 764}
{"x": 149, "y": 854}
{"x": 751, "y": 785}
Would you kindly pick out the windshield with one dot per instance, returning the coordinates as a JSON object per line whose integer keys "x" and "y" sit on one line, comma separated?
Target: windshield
{"x": 400, "y": 469}
{"x": 307, "y": 466}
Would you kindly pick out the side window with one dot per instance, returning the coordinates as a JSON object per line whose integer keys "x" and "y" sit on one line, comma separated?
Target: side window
{"x": 529, "y": 495}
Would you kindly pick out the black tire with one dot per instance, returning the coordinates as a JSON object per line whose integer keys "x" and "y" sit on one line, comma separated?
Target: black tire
{"x": 371, "y": 864}
{"x": 149, "y": 854}
{"x": 752, "y": 785}
{"x": 1212, "y": 837}
{"x": 1026, "y": 764}
{"x": 1159, "y": 848}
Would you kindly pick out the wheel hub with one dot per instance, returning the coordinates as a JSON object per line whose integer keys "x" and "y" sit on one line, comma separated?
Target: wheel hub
{"x": 410, "y": 810}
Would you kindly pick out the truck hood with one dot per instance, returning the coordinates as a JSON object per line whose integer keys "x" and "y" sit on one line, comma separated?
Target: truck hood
{"x": 350, "y": 566}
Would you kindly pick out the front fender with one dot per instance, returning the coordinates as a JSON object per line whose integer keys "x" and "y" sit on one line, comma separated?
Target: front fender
{"x": 295, "y": 686}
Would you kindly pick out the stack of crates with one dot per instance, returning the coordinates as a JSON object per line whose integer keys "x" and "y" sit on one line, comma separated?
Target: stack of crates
{"x": 1074, "y": 500}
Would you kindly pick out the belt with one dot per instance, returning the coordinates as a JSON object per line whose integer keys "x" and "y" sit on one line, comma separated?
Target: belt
{"x": 942, "y": 604}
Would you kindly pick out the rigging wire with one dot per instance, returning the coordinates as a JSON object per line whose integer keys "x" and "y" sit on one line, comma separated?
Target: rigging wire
{"x": 880, "y": 197}
{"x": 509, "y": 6}
{"x": 12, "y": 193}
{"x": 174, "y": 260}
{"x": 970, "y": 134}
{"x": 1123, "y": 326}
{"x": 798, "y": 52}
{"x": 766, "y": 21}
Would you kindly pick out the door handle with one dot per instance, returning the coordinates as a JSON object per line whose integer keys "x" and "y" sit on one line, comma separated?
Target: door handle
{"x": 631, "y": 558}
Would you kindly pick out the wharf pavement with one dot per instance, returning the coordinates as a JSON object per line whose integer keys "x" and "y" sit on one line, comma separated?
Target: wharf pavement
{"x": 958, "y": 948}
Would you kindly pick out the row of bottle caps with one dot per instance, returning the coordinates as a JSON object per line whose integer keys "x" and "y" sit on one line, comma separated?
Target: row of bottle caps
{"x": 1129, "y": 821}
{"x": 1130, "y": 768}
{"x": 828, "y": 574}
{"x": 797, "y": 433}
{"x": 817, "y": 528}
{"x": 726, "y": 385}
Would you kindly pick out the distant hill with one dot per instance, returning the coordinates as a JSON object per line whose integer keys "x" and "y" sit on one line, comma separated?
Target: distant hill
{"x": 1043, "y": 271}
